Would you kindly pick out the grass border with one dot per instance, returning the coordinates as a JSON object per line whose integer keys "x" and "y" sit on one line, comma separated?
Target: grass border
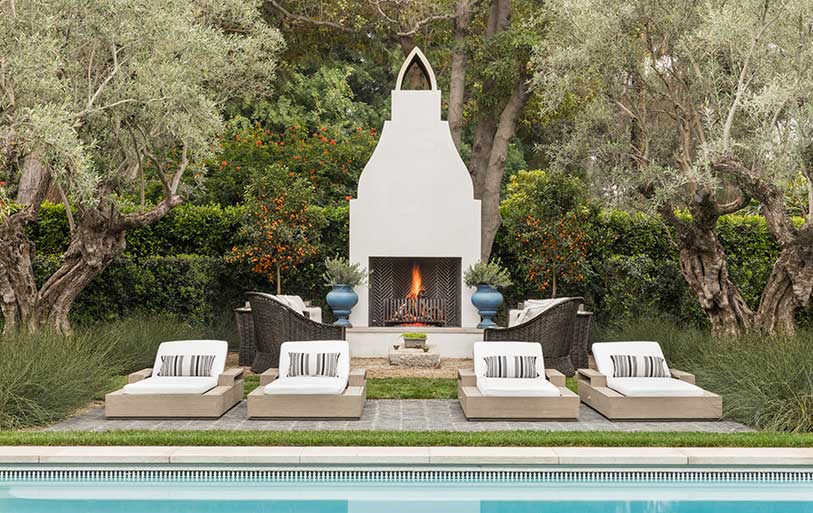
{"x": 407, "y": 438}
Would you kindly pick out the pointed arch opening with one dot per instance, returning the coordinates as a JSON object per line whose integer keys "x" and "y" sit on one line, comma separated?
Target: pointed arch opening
{"x": 417, "y": 58}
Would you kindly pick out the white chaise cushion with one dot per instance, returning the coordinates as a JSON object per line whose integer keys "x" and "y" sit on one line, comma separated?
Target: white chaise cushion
{"x": 312, "y": 384}
{"x": 306, "y": 385}
{"x": 603, "y": 351}
{"x": 171, "y": 385}
{"x": 183, "y": 384}
{"x": 640, "y": 387}
{"x": 511, "y": 386}
{"x": 517, "y": 387}
{"x": 654, "y": 387}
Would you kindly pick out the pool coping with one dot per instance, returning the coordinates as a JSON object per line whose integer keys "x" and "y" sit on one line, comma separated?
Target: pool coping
{"x": 281, "y": 455}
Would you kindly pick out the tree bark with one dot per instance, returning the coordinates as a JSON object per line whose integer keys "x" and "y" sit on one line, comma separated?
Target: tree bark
{"x": 457, "y": 76}
{"x": 492, "y": 181}
{"x": 704, "y": 266}
{"x": 790, "y": 284}
{"x": 18, "y": 286}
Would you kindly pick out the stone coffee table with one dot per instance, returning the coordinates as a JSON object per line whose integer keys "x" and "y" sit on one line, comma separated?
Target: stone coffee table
{"x": 414, "y": 357}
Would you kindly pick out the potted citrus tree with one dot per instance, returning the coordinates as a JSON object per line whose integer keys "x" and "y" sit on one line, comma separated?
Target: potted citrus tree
{"x": 487, "y": 277}
{"x": 342, "y": 277}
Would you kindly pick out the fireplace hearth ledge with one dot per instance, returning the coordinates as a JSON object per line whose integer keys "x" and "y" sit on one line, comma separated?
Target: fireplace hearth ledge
{"x": 376, "y": 342}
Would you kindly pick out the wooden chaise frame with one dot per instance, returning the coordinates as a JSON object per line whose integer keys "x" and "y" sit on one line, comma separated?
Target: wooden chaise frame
{"x": 212, "y": 404}
{"x": 476, "y": 406}
{"x": 594, "y": 392}
{"x": 348, "y": 405}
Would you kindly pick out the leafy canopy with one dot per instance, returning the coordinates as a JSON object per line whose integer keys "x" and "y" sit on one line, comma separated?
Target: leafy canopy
{"x": 95, "y": 88}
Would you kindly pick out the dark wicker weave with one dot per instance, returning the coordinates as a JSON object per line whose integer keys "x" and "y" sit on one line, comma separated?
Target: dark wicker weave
{"x": 553, "y": 328}
{"x": 275, "y": 323}
{"x": 581, "y": 340}
{"x": 245, "y": 329}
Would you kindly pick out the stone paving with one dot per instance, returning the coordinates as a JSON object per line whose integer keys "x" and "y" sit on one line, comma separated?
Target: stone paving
{"x": 388, "y": 415}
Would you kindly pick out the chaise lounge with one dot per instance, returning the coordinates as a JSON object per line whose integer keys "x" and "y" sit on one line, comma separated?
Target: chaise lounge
{"x": 509, "y": 381}
{"x": 314, "y": 380}
{"x": 633, "y": 382}
{"x": 187, "y": 380}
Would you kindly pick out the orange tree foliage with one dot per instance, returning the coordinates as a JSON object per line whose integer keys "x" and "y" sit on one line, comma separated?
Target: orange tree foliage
{"x": 282, "y": 230}
{"x": 545, "y": 214}
{"x": 329, "y": 158}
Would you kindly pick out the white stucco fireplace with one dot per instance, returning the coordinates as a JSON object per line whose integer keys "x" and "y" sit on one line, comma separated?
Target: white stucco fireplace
{"x": 415, "y": 212}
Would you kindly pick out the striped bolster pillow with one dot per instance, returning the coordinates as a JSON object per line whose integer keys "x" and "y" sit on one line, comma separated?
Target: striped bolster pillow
{"x": 195, "y": 365}
{"x": 636, "y": 366}
{"x": 313, "y": 364}
{"x": 524, "y": 367}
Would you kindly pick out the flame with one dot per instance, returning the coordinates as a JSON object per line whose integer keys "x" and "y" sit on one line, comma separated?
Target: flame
{"x": 417, "y": 283}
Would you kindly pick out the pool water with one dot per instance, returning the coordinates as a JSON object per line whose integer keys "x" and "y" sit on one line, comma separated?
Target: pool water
{"x": 235, "y": 496}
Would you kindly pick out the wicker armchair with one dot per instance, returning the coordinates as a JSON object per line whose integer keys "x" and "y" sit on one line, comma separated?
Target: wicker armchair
{"x": 275, "y": 323}
{"x": 562, "y": 330}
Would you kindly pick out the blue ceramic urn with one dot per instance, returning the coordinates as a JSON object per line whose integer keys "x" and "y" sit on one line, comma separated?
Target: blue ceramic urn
{"x": 342, "y": 299}
{"x": 487, "y": 299}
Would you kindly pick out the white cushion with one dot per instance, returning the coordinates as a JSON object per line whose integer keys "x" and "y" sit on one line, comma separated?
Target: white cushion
{"x": 306, "y": 385}
{"x": 653, "y": 387}
{"x": 219, "y": 348}
{"x": 313, "y": 347}
{"x": 534, "y": 307}
{"x": 517, "y": 387}
{"x": 171, "y": 385}
{"x": 295, "y": 302}
{"x": 314, "y": 313}
{"x": 483, "y": 349}
{"x": 602, "y": 351}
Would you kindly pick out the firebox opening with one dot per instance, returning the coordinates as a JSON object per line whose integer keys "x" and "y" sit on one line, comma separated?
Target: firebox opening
{"x": 414, "y": 291}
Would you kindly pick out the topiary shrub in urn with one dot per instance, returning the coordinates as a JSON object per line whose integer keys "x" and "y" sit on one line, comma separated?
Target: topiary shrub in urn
{"x": 487, "y": 277}
{"x": 342, "y": 277}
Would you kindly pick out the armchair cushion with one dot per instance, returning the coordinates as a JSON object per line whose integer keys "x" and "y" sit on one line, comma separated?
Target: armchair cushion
{"x": 534, "y": 307}
{"x": 295, "y": 302}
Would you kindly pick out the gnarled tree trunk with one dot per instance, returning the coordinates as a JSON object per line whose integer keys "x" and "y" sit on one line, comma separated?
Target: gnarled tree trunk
{"x": 788, "y": 289}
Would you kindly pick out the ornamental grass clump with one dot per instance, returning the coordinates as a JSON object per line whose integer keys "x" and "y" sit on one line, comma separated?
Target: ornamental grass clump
{"x": 46, "y": 376}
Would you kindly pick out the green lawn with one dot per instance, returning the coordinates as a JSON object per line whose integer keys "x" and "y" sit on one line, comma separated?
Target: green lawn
{"x": 402, "y": 388}
{"x": 411, "y": 438}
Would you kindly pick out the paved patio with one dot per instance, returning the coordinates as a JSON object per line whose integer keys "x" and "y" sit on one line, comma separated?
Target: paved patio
{"x": 388, "y": 415}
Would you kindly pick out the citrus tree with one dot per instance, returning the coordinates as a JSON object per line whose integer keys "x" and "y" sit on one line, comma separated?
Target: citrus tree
{"x": 282, "y": 230}
{"x": 545, "y": 214}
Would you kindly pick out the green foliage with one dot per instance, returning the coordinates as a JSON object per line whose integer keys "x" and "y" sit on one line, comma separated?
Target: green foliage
{"x": 330, "y": 158}
{"x": 414, "y": 336}
{"x": 45, "y": 376}
{"x": 339, "y": 271}
{"x": 281, "y": 231}
{"x": 412, "y": 388}
{"x": 545, "y": 212}
{"x": 765, "y": 383}
{"x": 487, "y": 273}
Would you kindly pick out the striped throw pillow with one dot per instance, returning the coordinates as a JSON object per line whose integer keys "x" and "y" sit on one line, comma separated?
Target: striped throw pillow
{"x": 313, "y": 364}
{"x": 498, "y": 367}
{"x": 195, "y": 365}
{"x": 636, "y": 366}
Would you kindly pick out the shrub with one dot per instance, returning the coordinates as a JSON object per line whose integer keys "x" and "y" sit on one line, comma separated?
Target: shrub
{"x": 487, "y": 273}
{"x": 339, "y": 271}
{"x": 44, "y": 377}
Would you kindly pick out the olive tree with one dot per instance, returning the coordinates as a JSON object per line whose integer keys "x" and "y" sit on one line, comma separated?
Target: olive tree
{"x": 97, "y": 97}
{"x": 694, "y": 110}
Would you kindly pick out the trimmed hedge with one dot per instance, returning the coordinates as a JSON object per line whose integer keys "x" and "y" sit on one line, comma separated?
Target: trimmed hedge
{"x": 177, "y": 265}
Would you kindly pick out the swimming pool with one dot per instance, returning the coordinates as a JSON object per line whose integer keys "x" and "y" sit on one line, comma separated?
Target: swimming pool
{"x": 237, "y": 490}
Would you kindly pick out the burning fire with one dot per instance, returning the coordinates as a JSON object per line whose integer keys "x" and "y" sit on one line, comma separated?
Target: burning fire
{"x": 416, "y": 288}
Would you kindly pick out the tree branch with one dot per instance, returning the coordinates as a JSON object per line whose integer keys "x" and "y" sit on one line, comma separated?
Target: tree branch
{"x": 737, "y": 204}
{"x": 310, "y": 21}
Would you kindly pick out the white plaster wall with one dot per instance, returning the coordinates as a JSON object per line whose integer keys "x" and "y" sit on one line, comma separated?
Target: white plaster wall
{"x": 415, "y": 197}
